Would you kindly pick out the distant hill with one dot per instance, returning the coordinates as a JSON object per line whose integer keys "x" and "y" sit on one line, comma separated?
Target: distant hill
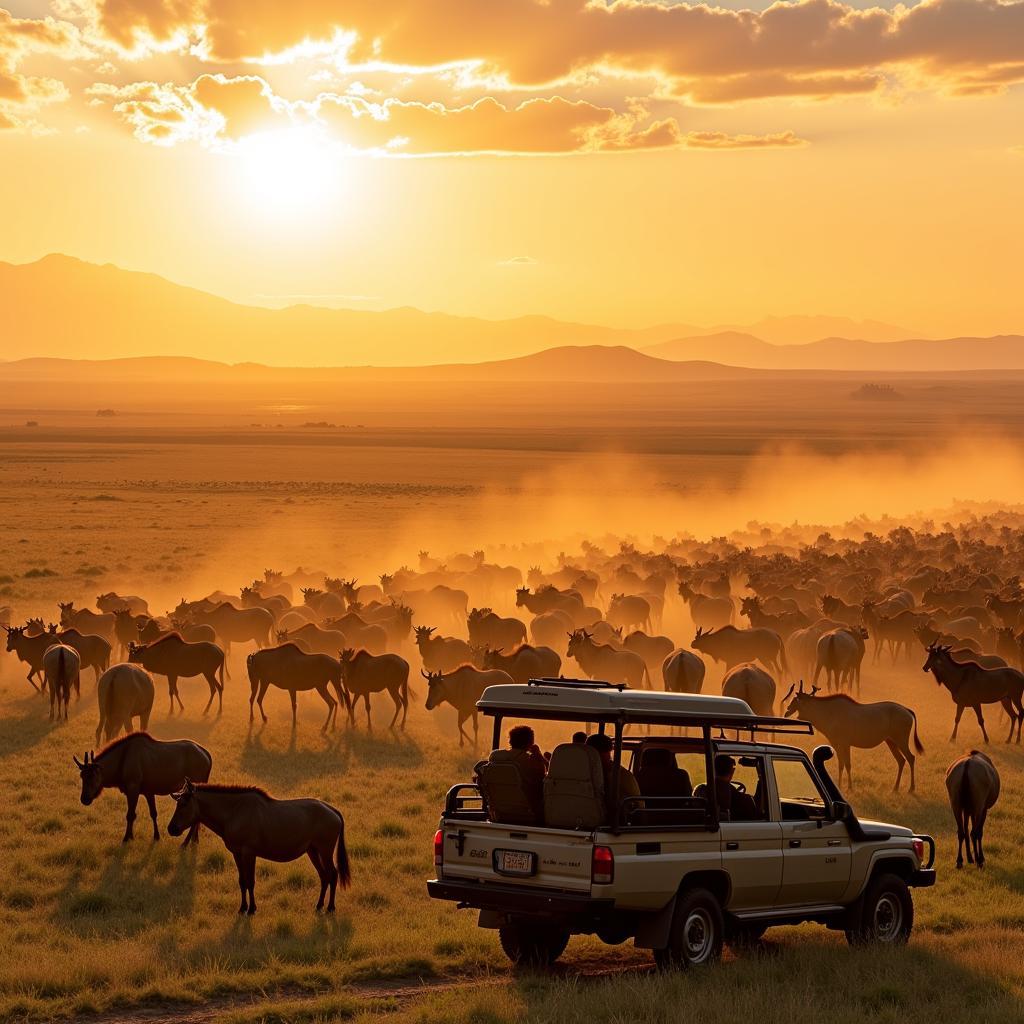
{"x": 1004, "y": 352}
{"x": 60, "y": 306}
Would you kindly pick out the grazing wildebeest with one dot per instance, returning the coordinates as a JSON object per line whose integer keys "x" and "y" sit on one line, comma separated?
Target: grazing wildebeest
{"x": 683, "y": 672}
{"x": 525, "y": 662}
{"x": 123, "y": 692}
{"x": 29, "y": 649}
{"x": 238, "y": 625}
{"x": 61, "y": 666}
{"x": 111, "y": 602}
{"x": 734, "y": 646}
{"x": 253, "y": 824}
{"x": 462, "y": 689}
{"x": 85, "y": 620}
{"x": 127, "y": 627}
{"x": 489, "y": 630}
{"x": 840, "y": 653}
{"x": 628, "y": 611}
{"x": 94, "y": 650}
{"x": 707, "y": 612}
{"x": 174, "y": 657}
{"x": 971, "y": 686}
{"x": 847, "y": 723}
{"x": 600, "y": 661}
{"x": 441, "y": 653}
{"x": 290, "y": 668}
{"x": 972, "y": 783}
{"x": 750, "y": 683}
{"x": 139, "y": 765}
{"x": 363, "y": 673}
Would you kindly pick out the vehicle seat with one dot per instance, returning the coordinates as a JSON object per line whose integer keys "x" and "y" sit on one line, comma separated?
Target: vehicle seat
{"x": 659, "y": 775}
{"x": 574, "y": 788}
{"x": 504, "y": 790}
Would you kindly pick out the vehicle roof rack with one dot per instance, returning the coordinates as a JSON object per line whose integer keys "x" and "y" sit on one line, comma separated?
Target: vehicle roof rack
{"x": 576, "y": 684}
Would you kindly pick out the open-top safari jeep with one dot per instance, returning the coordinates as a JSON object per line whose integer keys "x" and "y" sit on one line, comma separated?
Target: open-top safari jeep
{"x": 676, "y": 873}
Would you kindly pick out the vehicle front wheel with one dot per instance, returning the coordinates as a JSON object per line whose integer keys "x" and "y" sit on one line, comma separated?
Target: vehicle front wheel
{"x": 885, "y": 916}
{"x": 697, "y": 933}
{"x": 533, "y": 945}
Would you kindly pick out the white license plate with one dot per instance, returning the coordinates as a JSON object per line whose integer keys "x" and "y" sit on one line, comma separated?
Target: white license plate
{"x": 514, "y": 862}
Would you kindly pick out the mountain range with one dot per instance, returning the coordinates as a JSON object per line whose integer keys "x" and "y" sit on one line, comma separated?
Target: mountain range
{"x": 64, "y": 307}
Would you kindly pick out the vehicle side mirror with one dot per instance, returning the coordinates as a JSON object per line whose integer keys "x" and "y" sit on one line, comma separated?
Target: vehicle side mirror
{"x": 841, "y": 810}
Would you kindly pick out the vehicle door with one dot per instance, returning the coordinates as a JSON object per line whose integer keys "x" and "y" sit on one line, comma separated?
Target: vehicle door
{"x": 752, "y": 841}
{"x": 817, "y": 853}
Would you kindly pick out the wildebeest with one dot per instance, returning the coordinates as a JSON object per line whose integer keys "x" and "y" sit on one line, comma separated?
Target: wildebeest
{"x": 628, "y": 611}
{"x": 29, "y": 649}
{"x": 489, "y": 630}
{"x": 462, "y": 689}
{"x": 840, "y": 653}
{"x": 123, "y": 692}
{"x": 139, "y": 765}
{"x": 441, "y": 653}
{"x": 85, "y": 620}
{"x": 847, "y": 723}
{"x": 325, "y": 603}
{"x": 707, "y": 612}
{"x": 653, "y": 649}
{"x": 61, "y": 666}
{"x": 176, "y": 658}
{"x": 371, "y": 636}
{"x": 683, "y": 672}
{"x": 734, "y": 646}
{"x": 363, "y": 673}
{"x": 549, "y": 629}
{"x": 111, "y": 602}
{"x": 94, "y": 650}
{"x": 752, "y": 684}
{"x": 837, "y": 608}
{"x": 548, "y": 599}
{"x": 290, "y": 668}
{"x": 971, "y": 686}
{"x": 253, "y": 824}
{"x": 601, "y": 661}
{"x": 525, "y": 662}
{"x": 238, "y": 625}
{"x": 318, "y": 639}
{"x": 972, "y": 783}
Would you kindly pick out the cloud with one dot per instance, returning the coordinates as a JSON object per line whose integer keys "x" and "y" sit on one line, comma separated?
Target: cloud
{"x": 806, "y": 47}
{"x": 19, "y": 93}
{"x": 518, "y": 261}
{"x": 720, "y": 140}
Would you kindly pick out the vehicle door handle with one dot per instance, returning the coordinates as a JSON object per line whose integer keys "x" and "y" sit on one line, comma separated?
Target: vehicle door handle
{"x": 732, "y": 846}
{"x": 835, "y": 842}
{"x": 795, "y": 842}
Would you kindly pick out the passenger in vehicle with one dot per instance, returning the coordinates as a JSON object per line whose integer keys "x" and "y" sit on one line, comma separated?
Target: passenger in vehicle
{"x": 627, "y": 784}
{"x": 659, "y": 775}
{"x": 733, "y": 805}
{"x": 579, "y": 737}
{"x": 532, "y": 766}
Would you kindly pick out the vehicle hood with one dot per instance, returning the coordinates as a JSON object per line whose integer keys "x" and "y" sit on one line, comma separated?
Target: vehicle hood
{"x": 893, "y": 830}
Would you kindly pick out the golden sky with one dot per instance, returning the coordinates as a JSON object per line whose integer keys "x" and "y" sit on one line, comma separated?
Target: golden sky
{"x": 628, "y": 162}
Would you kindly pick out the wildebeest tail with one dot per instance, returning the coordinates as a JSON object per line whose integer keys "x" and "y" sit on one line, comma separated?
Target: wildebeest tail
{"x": 220, "y": 670}
{"x": 966, "y": 808}
{"x": 918, "y": 745}
{"x": 344, "y": 872}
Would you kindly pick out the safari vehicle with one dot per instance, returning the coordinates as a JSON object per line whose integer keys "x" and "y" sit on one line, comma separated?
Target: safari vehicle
{"x": 675, "y": 873}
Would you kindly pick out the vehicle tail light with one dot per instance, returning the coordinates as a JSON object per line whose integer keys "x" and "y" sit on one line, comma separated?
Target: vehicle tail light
{"x": 918, "y": 849}
{"x": 602, "y": 866}
{"x": 438, "y": 849}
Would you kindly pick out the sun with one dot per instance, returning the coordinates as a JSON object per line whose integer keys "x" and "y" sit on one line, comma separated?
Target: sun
{"x": 286, "y": 174}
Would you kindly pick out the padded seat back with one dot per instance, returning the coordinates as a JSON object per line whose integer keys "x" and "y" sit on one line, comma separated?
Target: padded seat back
{"x": 504, "y": 790}
{"x": 574, "y": 788}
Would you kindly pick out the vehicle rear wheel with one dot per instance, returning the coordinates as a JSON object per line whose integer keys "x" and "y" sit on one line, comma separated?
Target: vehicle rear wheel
{"x": 533, "y": 945}
{"x": 697, "y": 933}
{"x": 885, "y": 916}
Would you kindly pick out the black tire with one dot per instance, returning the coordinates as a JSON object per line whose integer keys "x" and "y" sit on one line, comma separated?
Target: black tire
{"x": 697, "y": 933}
{"x": 884, "y": 915}
{"x": 533, "y": 945}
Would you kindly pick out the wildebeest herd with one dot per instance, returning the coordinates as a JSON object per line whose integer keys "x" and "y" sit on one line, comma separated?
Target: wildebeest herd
{"x": 812, "y": 613}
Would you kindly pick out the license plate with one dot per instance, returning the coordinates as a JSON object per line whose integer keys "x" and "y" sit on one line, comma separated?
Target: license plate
{"x": 514, "y": 862}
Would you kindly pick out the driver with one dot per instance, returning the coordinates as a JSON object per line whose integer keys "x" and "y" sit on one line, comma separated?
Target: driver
{"x": 738, "y": 805}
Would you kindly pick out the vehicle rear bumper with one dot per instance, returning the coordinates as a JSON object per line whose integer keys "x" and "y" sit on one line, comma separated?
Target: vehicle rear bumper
{"x": 517, "y": 899}
{"x": 922, "y": 878}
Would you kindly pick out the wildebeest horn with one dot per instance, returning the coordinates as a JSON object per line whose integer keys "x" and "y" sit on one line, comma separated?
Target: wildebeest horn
{"x": 78, "y": 764}
{"x": 801, "y": 686}
{"x": 791, "y": 689}
{"x": 814, "y": 690}
{"x": 426, "y": 675}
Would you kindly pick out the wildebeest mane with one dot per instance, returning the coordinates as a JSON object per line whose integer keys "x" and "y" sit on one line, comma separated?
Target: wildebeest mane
{"x": 121, "y": 740}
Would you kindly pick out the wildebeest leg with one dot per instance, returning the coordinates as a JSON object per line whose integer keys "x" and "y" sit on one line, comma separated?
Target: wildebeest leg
{"x": 900, "y": 762}
{"x": 132, "y": 796}
{"x": 462, "y": 733}
{"x": 314, "y": 855}
{"x": 396, "y": 697}
{"x": 1011, "y": 712}
{"x": 961, "y": 835}
{"x": 259, "y": 700}
{"x": 250, "y": 871}
{"x": 151, "y": 800}
{"x": 366, "y": 701}
{"x": 956, "y": 721}
{"x": 967, "y": 836}
{"x": 332, "y": 705}
{"x": 192, "y": 836}
{"x": 295, "y": 708}
{"x": 844, "y": 762}
{"x": 53, "y": 697}
{"x": 31, "y": 673}
{"x": 243, "y": 887}
{"x": 211, "y": 680}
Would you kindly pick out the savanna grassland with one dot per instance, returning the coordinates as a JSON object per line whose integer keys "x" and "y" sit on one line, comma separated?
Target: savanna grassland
{"x": 166, "y": 508}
